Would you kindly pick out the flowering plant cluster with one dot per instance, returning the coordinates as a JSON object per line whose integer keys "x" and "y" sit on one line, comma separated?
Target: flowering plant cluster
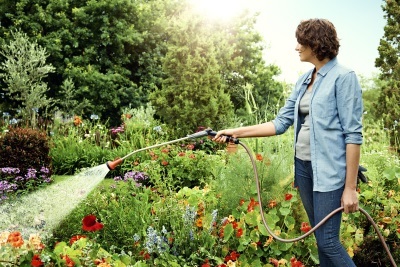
{"x": 12, "y": 180}
{"x": 80, "y": 250}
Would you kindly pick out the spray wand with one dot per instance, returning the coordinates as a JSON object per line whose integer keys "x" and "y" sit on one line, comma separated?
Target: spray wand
{"x": 229, "y": 139}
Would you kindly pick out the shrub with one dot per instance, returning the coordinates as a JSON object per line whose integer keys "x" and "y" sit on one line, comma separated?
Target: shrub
{"x": 25, "y": 149}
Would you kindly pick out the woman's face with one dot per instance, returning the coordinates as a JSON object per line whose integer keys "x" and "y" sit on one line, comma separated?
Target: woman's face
{"x": 305, "y": 53}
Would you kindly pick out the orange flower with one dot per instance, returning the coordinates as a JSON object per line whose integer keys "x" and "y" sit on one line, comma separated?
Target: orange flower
{"x": 15, "y": 239}
{"x": 77, "y": 120}
{"x": 164, "y": 163}
{"x": 76, "y": 238}
{"x": 259, "y": 157}
{"x": 165, "y": 150}
{"x": 241, "y": 202}
{"x": 181, "y": 154}
{"x": 199, "y": 222}
{"x": 192, "y": 156}
{"x": 272, "y": 204}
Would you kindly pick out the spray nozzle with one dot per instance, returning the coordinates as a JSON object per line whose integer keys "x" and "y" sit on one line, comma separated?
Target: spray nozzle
{"x": 113, "y": 164}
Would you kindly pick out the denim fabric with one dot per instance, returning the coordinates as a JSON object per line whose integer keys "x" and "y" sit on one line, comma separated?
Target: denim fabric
{"x": 335, "y": 120}
{"x": 318, "y": 205}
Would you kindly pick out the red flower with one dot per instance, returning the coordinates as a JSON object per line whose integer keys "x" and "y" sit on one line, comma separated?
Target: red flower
{"x": 90, "y": 223}
{"x": 275, "y": 262}
{"x": 259, "y": 157}
{"x": 68, "y": 261}
{"x": 36, "y": 261}
{"x": 234, "y": 224}
{"x": 164, "y": 163}
{"x": 181, "y": 154}
{"x": 288, "y": 196}
{"x": 233, "y": 256}
{"x": 145, "y": 255}
{"x": 76, "y": 238}
{"x": 241, "y": 202}
{"x": 239, "y": 232}
{"x": 252, "y": 204}
{"x": 305, "y": 227}
{"x": 295, "y": 263}
{"x": 190, "y": 146}
{"x": 206, "y": 264}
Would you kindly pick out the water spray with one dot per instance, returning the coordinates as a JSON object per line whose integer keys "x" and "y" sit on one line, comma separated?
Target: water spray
{"x": 229, "y": 139}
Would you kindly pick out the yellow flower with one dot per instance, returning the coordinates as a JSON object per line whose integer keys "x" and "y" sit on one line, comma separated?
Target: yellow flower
{"x": 4, "y": 238}
{"x": 35, "y": 241}
{"x": 350, "y": 251}
{"x": 269, "y": 241}
{"x": 231, "y": 218}
{"x": 231, "y": 263}
{"x": 282, "y": 262}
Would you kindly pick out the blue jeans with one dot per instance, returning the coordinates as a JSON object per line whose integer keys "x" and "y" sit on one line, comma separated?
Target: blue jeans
{"x": 318, "y": 205}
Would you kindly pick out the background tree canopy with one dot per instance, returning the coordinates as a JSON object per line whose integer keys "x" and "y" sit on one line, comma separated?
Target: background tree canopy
{"x": 389, "y": 64}
{"x": 109, "y": 55}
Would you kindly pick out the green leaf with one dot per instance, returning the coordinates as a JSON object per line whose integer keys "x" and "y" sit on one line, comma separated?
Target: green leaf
{"x": 262, "y": 229}
{"x": 284, "y": 211}
{"x": 252, "y": 218}
{"x": 228, "y": 232}
{"x": 290, "y": 222}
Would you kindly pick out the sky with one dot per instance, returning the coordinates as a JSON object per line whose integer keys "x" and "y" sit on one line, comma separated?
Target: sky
{"x": 359, "y": 25}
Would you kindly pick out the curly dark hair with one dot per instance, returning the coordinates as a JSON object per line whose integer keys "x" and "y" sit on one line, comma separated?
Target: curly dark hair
{"x": 320, "y": 35}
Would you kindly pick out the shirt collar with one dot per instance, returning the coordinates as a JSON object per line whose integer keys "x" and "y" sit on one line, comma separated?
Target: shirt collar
{"x": 328, "y": 66}
{"x": 323, "y": 71}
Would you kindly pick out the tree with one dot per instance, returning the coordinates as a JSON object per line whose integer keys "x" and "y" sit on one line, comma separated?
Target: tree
{"x": 24, "y": 69}
{"x": 389, "y": 64}
{"x": 110, "y": 50}
{"x": 192, "y": 93}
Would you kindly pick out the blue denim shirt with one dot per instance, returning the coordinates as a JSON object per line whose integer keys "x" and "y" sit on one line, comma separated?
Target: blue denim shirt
{"x": 335, "y": 120}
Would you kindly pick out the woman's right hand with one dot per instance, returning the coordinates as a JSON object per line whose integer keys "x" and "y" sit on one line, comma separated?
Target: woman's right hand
{"x": 222, "y": 135}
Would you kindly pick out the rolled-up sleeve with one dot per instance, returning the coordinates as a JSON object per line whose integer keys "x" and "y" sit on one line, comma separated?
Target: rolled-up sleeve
{"x": 350, "y": 107}
{"x": 286, "y": 114}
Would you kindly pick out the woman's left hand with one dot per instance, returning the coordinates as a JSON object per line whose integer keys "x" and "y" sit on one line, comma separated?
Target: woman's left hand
{"x": 350, "y": 200}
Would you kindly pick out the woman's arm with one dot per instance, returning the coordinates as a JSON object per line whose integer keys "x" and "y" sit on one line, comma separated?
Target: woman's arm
{"x": 258, "y": 130}
{"x": 350, "y": 196}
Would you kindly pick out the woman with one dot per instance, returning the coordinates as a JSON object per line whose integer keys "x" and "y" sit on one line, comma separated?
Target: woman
{"x": 325, "y": 108}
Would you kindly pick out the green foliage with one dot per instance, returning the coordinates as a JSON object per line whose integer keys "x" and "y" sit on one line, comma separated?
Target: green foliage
{"x": 388, "y": 104}
{"x": 24, "y": 69}
{"x": 177, "y": 166}
{"x": 25, "y": 148}
{"x": 192, "y": 69}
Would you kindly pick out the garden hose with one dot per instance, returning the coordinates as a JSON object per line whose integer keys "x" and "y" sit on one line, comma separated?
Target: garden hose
{"x": 253, "y": 162}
